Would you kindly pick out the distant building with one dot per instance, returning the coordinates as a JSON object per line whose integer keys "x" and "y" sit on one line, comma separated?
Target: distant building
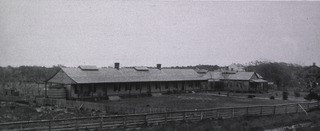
{"x": 236, "y": 67}
{"x": 87, "y": 82}
{"x": 311, "y": 75}
{"x": 232, "y": 68}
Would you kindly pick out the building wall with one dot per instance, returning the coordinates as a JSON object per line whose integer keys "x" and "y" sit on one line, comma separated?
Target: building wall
{"x": 104, "y": 90}
{"x": 242, "y": 86}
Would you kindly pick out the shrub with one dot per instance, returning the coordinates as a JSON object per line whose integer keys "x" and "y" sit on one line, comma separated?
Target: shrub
{"x": 251, "y": 96}
{"x": 312, "y": 95}
{"x": 272, "y": 97}
{"x": 285, "y": 95}
{"x": 297, "y": 94}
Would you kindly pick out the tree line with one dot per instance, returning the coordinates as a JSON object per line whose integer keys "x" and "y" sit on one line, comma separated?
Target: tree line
{"x": 26, "y": 74}
{"x": 281, "y": 73}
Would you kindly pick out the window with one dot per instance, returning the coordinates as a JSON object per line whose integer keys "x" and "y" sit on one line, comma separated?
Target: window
{"x": 176, "y": 85}
{"x": 158, "y": 85}
{"x": 94, "y": 88}
{"x": 191, "y": 84}
{"x": 182, "y": 88}
{"x": 126, "y": 87}
{"x": 137, "y": 86}
{"x": 76, "y": 90}
{"x": 167, "y": 85}
{"x": 116, "y": 87}
{"x": 197, "y": 84}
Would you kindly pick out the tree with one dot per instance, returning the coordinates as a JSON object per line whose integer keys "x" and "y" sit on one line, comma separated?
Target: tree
{"x": 282, "y": 74}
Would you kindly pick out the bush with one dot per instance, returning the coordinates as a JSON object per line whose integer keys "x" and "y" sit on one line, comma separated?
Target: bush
{"x": 285, "y": 95}
{"x": 312, "y": 95}
{"x": 297, "y": 94}
{"x": 251, "y": 96}
{"x": 272, "y": 97}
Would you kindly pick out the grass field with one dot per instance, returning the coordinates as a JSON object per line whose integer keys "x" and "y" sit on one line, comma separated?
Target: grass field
{"x": 194, "y": 101}
{"x": 290, "y": 122}
{"x": 13, "y": 111}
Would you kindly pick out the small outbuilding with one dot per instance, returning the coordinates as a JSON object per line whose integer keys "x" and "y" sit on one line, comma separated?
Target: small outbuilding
{"x": 236, "y": 81}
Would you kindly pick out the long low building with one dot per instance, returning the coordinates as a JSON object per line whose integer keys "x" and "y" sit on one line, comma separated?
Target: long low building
{"x": 92, "y": 82}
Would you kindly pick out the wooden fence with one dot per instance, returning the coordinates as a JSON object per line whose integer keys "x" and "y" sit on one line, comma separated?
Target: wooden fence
{"x": 132, "y": 121}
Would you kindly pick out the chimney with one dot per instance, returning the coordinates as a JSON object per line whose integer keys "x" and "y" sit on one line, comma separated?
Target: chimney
{"x": 314, "y": 64}
{"x": 117, "y": 65}
{"x": 159, "y": 66}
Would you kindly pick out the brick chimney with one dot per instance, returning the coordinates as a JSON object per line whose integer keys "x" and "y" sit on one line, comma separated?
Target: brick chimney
{"x": 159, "y": 66}
{"x": 117, "y": 65}
{"x": 314, "y": 64}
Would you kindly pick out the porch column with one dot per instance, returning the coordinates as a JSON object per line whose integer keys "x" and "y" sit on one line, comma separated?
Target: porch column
{"x": 92, "y": 89}
{"x": 140, "y": 87}
{"x": 45, "y": 88}
{"x": 78, "y": 88}
{"x": 106, "y": 90}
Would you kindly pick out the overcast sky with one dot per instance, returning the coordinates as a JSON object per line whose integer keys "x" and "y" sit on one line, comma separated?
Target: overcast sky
{"x": 143, "y": 32}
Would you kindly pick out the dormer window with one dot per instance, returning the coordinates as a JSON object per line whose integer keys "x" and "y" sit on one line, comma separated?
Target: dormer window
{"x": 141, "y": 68}
{"x": 88, "y": 68}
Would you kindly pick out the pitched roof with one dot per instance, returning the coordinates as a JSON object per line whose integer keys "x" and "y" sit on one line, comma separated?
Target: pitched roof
{"x": 214, "y": 75}
{"x": 112, "y": 75}
{"x": 258, "y": 80}
{"x": 240, "y": 76}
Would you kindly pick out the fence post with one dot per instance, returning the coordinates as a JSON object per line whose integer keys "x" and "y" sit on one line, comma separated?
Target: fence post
{"x": 185, "y": 116}
{"x": 49, "y": 125}
{"x": 232, "y": 112}
{"x": 146, "y": 119}
{"x": 166, "y": 117}
{"x": 274, "y": 110}
{"x": 201, "y": 115}
{"x": 308, "y": 106}
{"x": 260, "y": 110}
{"x": 20, "y": 126}
{"x": 297, "y": 108}
{"x": 286, "y": 109}
{"x": 124, "y": 121}
{"x": 247, "y": 111}
{"x": 101, "y": 121}
{"x": 77, "y": 126}
{"x": 218, "y": 114}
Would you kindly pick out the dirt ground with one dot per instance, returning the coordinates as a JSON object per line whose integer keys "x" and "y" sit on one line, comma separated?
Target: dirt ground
{"x": 22, "y": 111}
{"x": 196, "y": 101}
